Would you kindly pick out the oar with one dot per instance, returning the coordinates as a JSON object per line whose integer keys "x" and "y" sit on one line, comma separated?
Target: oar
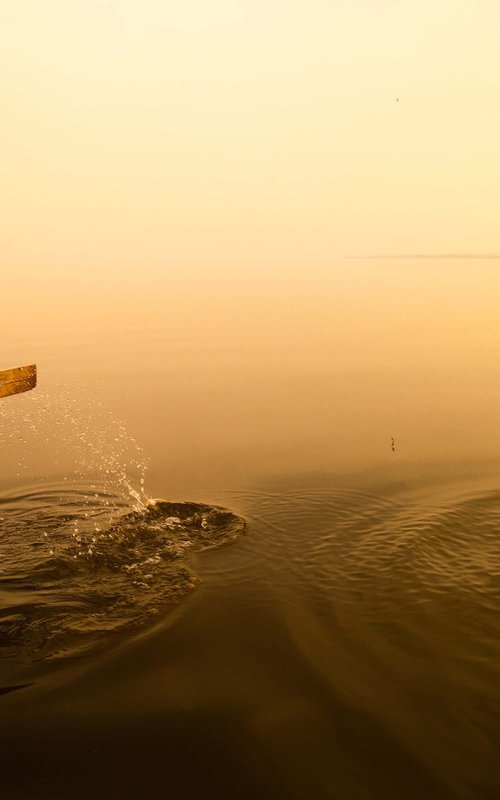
{"x": 20, "y": 379}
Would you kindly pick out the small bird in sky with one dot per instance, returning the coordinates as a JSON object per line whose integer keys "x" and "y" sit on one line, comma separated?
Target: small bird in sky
{"x": 393, "y": 446}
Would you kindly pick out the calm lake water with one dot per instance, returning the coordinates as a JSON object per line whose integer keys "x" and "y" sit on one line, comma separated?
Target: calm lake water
{"x": 310, "y": 613}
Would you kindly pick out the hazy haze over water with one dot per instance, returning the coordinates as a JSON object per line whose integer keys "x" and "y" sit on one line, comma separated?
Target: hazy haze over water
{"x": 224, "y": 372}
{"x": 182, "y": 188}
{"x": 197, "y": 199}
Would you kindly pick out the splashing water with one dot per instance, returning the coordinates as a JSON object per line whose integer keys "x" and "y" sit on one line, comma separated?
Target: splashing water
{"x": 90, "y": 554}
{"x": 43, "y": 435}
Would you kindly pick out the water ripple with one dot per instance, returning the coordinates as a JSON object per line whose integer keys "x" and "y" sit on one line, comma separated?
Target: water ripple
{"x": 77, "y": 564}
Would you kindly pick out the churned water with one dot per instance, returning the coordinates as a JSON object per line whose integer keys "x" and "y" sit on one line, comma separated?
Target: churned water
{"x": 79, "y": 565}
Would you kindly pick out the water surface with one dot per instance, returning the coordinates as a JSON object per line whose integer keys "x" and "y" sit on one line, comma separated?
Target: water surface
{"x": 310, "y": 613}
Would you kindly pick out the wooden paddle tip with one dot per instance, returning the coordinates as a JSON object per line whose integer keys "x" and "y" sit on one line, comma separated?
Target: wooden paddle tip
{"x": 17, "y": 380}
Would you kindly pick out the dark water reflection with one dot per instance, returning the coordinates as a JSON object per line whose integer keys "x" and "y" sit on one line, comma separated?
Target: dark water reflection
{"x": 345, "y": 648}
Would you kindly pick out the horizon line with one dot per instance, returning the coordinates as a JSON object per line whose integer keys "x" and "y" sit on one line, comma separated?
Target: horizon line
{"x": 485, "y": 256}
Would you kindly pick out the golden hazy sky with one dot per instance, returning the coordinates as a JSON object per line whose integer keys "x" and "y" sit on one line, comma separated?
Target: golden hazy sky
{"x": 150, "y": 132}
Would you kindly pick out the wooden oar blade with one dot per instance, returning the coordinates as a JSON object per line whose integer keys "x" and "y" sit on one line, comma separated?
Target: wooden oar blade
{"x": 20, "y": 379}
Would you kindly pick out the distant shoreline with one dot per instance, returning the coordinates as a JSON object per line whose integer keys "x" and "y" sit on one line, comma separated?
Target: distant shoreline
{"x": 449, "y": 256}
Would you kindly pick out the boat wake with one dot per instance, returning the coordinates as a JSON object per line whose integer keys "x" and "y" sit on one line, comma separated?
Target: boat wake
{"x": 78, "y": 565}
